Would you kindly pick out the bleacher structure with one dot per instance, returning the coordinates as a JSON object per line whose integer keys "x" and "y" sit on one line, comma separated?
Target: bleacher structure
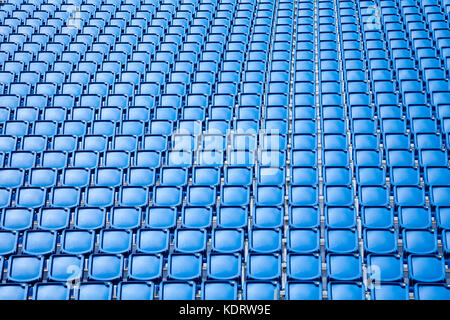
{"x": 224, "y": 149}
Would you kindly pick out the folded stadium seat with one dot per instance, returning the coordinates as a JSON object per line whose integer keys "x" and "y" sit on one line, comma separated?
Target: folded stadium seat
{"x": 338, "y": 195}
{"x": 436, "y": 176}
{"x": 223, "y": 266}
{"x": 81, "y": 159}
{"x": 219, "y": 290}
{"x": 371, "y": 176}
{"x": 439, "y": 196}
{"x": 346, "y": 290}
{"x": 24, "y": 268}
{"x": 380, "y": 241}
{"x": 145, "y": 267}
{"x": 11, "y": 178}
{"x": 65, "y": 197}
{"x": 201, "y": 196}
{"x": 227, "y": 240}
{"x": 344, "y": 267}
{"x": 264, "y": 240}
{"x": 405, "y": 176}
{"x": 94, "y": 291}
{"x": 385, "y": 267}
{"x": 390, "y": 291}
{"x": 75, "y": 177}
{"x": 368, "y": 157}
{"x": 306, "y": 158}
{"x": 239, "y": 176}
{"x": 373, "y": 196}
{"x": 184, "y": 266}
{"x": 424, "y": 291}
{"x": 304, "y": 267}
{"x": 104, "y": 267}
{"x": 134, "y": 290}
{"x": 341, "y": 241}
{"x": 22, "y": 159}
{"x": 77, "y": 242}
{"x": 9, "y": 240}
{"x": 303, "y": 196}
{"x": 125, "y": 217}
{"x": 419, "y": 242}
{"x": 65, "y": 267}
{"x": 414, "y": 217}
{"x": 340, "y": 158}
{"x": 190, "y": 240}
{"x": 205, "y": 176}
{"x": 90, "y": 218}
{"x": 338, "y": 176}
{"x": 426, "y": 268}
{"x": 177, "y": 290}
{"x": 39, "y": 242}
{"x": 42, "y": 177}
{"x": 17, "y": 219}
{"x": 443, "y": 217}
{"x": 298, "y": 290}
{"x": 11, "y": 291}
{"x": 133, "y": 196}
{"x": 260, "y": 290}
{"x": 263, "y": 266}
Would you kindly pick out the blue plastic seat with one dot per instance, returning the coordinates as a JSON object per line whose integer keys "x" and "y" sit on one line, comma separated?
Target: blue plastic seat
{"x": 338, "y": 195}
{"x": 373, "y": 196}
{"x": 261, "y": 290}
{"x": 184, "y": 266}
{"x": 39, "y": 242}
{"x": 24, "y": 268}
{"x": 346, "y": 291}
{"x": 234, "y": 195}
{"x": 17, "y": 219}
{"x": 304, "y": 217}
{"x": 65, "y": 267}
{"x": 419, "y": 241}
{"x": 304, "y": 267}
{"x": 219, "y": 290}
{"x": 65, "y": 197}
{"x": 134, "y": 290}
{"x": 390, "y": 291}
{"x": 152, "y": 241}
{"x": 76, "y": 177}
{"x": 105, "y": 267}
{"x": 303, "y": 196}
{"x": 341, "y": 240}
{"x": 189, "y": 240}
{"x": 299, "y": 290}
{"x": 344, "y": 267}
{"x": 11, "y": 178}
{"x": 161, "y": 217}
{"x": 223, "y": 266}
{"x": 77, "y": 242}
{"x": 424, "y": 291}
{"x": 263, "y": 266}
{"x": 144, "y": 267}
{"x": 426, "y": 268}
{"x": 115, "y": 241}
{"x": 90, "y": 218}
{"x": 10, "y": 291}
{"x": 177, "y": 290}
{"x": 385, "y": 268}
{"x": 237, "y": 175}
{"x": 409, "y": 196}
{"x": 265, "y": 240}
{"x": 94, "y": 291}
{"x": 201, "y": 196}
